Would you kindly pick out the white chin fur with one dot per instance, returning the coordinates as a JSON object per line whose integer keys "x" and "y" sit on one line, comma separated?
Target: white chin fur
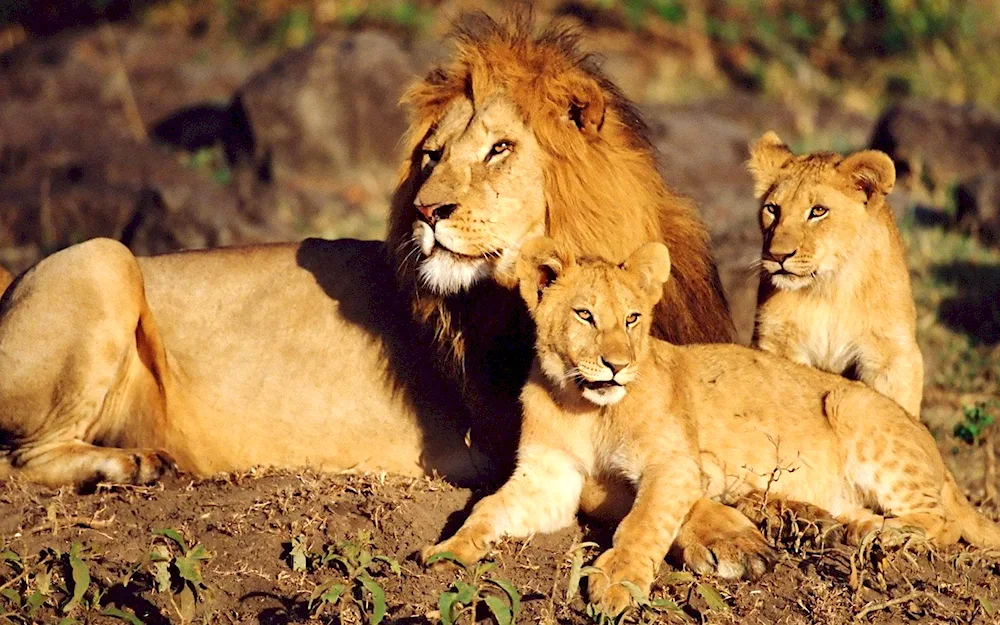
{"x": 789, "y": 283}
{"x": 606, "y": 396}
{"x": 447, "y": 274}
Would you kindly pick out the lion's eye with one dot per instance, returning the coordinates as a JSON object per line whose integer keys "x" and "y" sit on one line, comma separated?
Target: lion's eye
{"x": 631, "y": 320}
{"x": 584, "y": 315}
{"x": 500, "y": 147}
{"x": 771, "y": 210}
{"x": 818, "y": 211}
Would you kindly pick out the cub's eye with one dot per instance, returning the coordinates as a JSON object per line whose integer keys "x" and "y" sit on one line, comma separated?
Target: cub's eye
{"x": 771, "y": 210}
{"x": 631, "y": 320}
{"x": 584, "y": 315}
{"x": 500, "y": 147}
{"x": 818, "y": 211}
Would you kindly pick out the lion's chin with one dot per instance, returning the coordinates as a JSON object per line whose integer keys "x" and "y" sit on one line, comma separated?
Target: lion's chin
{"x": 604, "y": 396}
{"x": 789, "y": 282}
{"x": 445, "y": 273}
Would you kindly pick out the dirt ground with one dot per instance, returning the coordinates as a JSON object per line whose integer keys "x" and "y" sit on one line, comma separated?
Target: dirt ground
{"x": 271, "y": 547}
{"x": 263, "y": 536}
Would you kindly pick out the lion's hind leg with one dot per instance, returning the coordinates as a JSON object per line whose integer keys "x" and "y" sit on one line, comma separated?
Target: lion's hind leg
{"x": 81, "y": 365}
{"x": 717, "y": 539}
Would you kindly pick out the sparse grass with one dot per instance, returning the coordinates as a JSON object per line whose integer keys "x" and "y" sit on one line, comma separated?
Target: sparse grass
{"x": 956, "y": 285}
{"x": 459, "y": 603}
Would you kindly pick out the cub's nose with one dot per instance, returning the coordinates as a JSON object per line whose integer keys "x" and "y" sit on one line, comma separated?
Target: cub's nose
{"x": 433, "y": 213}
{"x": 614, "y": 365}
{"x": 778, "y": 257}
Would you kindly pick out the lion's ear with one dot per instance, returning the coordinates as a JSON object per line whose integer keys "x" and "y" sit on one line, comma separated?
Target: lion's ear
{"x": 767, "y": 156}
{"x": 651, "y": 263}
{"x": 586, "y": 105}
{"x": 870, "y": 170}
{"x": 540, "y": 262}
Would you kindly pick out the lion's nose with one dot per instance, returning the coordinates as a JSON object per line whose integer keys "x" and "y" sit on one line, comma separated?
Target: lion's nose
{"x": 614, "y": 365}
{"x": 778, "y": 257}
{"x": 433, "y": 213}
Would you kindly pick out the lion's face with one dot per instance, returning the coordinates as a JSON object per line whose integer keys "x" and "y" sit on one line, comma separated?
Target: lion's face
{"x": 481, "y": 196}
{"x": 592, "y": 317}
{"x": 814, "y": 209}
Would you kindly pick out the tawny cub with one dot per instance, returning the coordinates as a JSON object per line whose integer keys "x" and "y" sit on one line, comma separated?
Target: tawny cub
{"x": 835, "y": 288}
{"x": 686, "y": 423}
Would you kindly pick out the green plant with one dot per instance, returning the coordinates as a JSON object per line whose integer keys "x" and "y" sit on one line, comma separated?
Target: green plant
{"x": 976, "y": 419}
{"x": 655, "y": 610}
{"x": 358, "y": 566}
{"x": 464, "y": 596}
{"x": 177, "y": 569}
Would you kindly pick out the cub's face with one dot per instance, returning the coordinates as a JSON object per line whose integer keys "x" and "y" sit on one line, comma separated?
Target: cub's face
{"x": 815, "y": 208}
{"x": 593, "y": 316}
{"x": 481, "y": 195}
{"x": 810, "y": 228}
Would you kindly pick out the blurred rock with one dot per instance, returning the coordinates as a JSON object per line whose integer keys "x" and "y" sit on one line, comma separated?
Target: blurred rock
{"x": 331, "y": 109}
{"x": 938, "y": 145}
{"x": 978, "y": 204}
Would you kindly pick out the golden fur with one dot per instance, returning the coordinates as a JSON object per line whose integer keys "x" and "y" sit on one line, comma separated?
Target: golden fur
{"x": 5, "y": 279}
{"x": 841, "y": 301}
{"x": 112, "y": 366}
{"x": 686, "y": 423}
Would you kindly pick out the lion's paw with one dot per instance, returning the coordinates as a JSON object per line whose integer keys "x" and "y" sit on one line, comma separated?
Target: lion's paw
{"x": 743, "y": 554}
{"x": 465, "y": 550}
{"x": 606, "y": 587}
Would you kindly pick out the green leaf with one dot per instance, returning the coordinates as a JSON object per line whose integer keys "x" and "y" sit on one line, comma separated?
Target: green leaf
{"x": 637, "y": 594}
{"x": 15, "y": 560}
{"x": 485, "y": 568}
{"x": 988, "y": 606}
{"x": 444, "y": 555}
{"x": 81, "y": 576}
{"x": 664, "y": 604}
{"x": 189, "y": 569}
{"x": 173, "y": 535}
{"x": 162, "y": 576}
{"x": 446, "y": 606}
{"x": 199, "y": 553}
{"x": 121, "y": 615}
{"x": 333, "y": 593}
{"x": 378, "y": 598}
{"x": 298, "y": 553}
{"x": 512, "y": 594}
{"x": 11, "y": 595}
{"x": 499, "y": 609}
{"x": 393, "y": 565}
{"x": 712, "y": 597}
{"x": 465, "y": 591}
{"x": 34, "y": 602}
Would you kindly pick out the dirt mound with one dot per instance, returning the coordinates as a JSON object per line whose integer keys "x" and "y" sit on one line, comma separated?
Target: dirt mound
{"x": 268, "y": 548}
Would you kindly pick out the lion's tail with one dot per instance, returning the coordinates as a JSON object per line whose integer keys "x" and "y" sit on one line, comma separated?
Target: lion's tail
{"x": 976, "y": 529}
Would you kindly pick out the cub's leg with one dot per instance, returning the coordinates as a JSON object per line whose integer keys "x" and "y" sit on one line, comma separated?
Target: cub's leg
{"x": 717, "y": 539}
{"x": 542, "y": 495}
{"x": 895, "y": 371}
{"x": 81, "y": 365}
{"x": 665, "y": 497}
{"x": 892, "y": 459}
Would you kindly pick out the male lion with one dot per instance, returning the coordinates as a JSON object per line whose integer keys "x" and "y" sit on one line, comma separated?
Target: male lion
{"x": 689, "y": 422}
{"x": 348, "y": 354}
{"x": 835, "y": 290}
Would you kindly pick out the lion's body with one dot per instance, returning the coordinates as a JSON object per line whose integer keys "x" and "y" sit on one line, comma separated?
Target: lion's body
{"x": 347, "y": 355}
{"x": 846, "y": 306}
{"x": 686, "y": 423}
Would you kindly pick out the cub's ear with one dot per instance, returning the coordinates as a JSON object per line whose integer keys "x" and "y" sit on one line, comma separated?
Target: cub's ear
{"x": 870, "y": 170}
{"x": 651, "y": 263}
{"x": 586, "y": 105}
{"x": 540, "y": 262}
{"x": 767, "y": 156}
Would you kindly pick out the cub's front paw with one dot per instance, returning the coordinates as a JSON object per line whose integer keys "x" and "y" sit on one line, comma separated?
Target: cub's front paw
{"x": 465, "y": 550}
{"x": 606, "y": 586}
{"x": 744, "y": 553}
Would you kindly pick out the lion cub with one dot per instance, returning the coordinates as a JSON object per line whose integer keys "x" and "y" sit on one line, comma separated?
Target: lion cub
{"x": 835, "y": 289}
{"x": 686, "y": 423}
